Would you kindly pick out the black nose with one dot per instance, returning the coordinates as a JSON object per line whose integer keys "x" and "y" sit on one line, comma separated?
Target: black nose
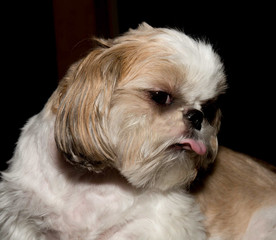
{"x": 195, "y": 117}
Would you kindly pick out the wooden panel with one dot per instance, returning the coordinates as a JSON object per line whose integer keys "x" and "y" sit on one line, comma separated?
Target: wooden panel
{"x": 76, "y": 22}
{"x": 74, "y": 25}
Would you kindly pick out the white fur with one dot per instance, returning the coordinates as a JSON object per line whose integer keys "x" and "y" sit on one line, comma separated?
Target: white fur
{"x": 262, "y": 225}
{"x": 44, "y": 198}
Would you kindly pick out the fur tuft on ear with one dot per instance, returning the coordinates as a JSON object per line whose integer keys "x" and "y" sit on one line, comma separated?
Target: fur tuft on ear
{"x": 81, "y": 104}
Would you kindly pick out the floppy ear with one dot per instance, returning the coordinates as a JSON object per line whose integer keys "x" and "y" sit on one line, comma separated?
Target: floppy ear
{"x": 217, "y": 120}
{"x": 216, "y": 124}
{"x": 81, "y": 106}
{"x": 212, "y": 114}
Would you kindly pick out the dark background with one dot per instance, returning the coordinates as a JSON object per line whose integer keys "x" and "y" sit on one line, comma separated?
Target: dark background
{"x": 40, "y": 39}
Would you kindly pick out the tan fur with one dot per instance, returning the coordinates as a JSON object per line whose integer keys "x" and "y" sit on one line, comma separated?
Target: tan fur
{"x": 105, "y": 116}
{"x": 236, "y": 187}
{"x": 83, "y": 98}
{"x": 79, "y": 95}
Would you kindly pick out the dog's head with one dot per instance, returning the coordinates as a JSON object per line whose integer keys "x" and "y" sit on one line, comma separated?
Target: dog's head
{"x": 143, "y": 103}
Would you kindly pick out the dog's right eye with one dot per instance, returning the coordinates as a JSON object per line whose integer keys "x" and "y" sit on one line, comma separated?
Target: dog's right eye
{"x": 161, "y": 97}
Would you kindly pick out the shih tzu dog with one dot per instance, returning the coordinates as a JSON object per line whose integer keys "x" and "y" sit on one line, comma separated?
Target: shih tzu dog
{"x": 114, "y": 151}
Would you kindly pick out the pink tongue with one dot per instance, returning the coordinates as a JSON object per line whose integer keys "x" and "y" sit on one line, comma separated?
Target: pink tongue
{"x": 197, "y": 146}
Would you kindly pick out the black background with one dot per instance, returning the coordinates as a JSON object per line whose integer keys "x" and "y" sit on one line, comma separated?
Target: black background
{"x": 243, "y": 35}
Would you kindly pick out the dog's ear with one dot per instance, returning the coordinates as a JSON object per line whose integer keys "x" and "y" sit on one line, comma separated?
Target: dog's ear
{"x": 212, "y": 114}
{"x": 217, "y": 121}
{"x": 81, "y": 104}
{"x": 216, "y": 124}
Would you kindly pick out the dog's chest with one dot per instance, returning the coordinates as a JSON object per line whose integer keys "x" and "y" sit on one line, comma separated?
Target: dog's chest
{"x": 93, "y": 210}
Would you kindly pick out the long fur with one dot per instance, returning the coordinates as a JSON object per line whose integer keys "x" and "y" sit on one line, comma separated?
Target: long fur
{"x": 238, "y": 197}
{"x": 105, "y": 159}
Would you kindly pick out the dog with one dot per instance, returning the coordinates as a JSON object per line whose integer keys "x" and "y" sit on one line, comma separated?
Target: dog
{"x": 238, "y": 198}
{"x": 114, "y": 152}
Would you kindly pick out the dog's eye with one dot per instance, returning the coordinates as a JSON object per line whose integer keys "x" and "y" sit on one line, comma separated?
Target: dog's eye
{"x": 160, "y": 97}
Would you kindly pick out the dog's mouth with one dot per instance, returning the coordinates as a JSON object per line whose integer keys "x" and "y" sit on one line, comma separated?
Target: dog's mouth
{"x": 189, "y": 144}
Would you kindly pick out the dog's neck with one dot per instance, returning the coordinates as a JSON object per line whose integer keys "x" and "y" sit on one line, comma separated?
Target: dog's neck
{"x": 44, "y": 164}
{"x": 71, "y": 201}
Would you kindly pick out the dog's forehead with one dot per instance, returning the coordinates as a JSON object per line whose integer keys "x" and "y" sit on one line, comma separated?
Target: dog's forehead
{"x": 180, "y": 62}
{"x": 203, "y": 76}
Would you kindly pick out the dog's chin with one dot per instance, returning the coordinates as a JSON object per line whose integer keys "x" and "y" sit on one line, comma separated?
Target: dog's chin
{"x": 176, "y": 166}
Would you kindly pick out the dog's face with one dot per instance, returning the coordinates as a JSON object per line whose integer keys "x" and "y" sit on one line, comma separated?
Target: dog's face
{"x": 145, "y": 104}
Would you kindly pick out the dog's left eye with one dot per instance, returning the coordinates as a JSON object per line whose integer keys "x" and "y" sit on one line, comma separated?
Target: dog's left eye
{"x": 161, "y": 97}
